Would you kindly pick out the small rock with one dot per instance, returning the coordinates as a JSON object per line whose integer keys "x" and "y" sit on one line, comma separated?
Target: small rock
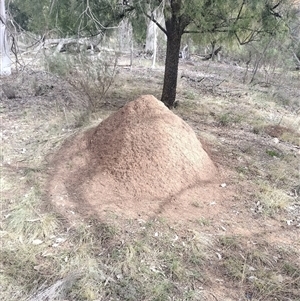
{"x": 252, "y": 278}
{"x": 276, "y": 140}
{"x": 60, "y": 240}
{"x": 279, "y": 278}
{"x": 223, "y": 185}
{"x": 37, "y": 242}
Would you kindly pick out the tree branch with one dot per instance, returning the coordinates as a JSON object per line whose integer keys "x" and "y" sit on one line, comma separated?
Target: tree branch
{"x": 271, "y": 9}
{"x": 296, "y": 58}
{"x": 249, "y": 38}
{"x": 157, "y": 23}
{"x": 240, "y": 11}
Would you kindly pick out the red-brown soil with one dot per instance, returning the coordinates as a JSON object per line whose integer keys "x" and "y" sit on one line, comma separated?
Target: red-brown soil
{"x": 142, "y": 161}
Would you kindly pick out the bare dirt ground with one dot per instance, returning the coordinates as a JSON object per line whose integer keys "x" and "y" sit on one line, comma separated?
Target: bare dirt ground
{"x": 240, "y": 241}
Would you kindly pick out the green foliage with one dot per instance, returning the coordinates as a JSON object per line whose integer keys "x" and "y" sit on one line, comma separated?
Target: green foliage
{"x": 213, "y": 20}
{"x": 228, "y": 21}
{"x": 67, "y": 17}
{"x": 31, "y": 15}
{"x": 139, "y": 25}
{"x": 273, "y": 153}
{"x": 20, "y": 17}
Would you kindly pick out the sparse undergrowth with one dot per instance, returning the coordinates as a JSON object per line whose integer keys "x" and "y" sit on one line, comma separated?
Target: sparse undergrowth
{"x": 127, "y": 259}
{"x": 263, "y": 271}
{"x": 92, "y": 76}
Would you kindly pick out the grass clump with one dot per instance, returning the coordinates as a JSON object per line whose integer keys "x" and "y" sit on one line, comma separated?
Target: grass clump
{"x": 229, "y": 242}
{"x": 229, "y": 118}
{"x": 27, "y": 222}
{"x": 273, "y": 153}
{"x": 203, "y": 221}
{"x": 272, "y": 199}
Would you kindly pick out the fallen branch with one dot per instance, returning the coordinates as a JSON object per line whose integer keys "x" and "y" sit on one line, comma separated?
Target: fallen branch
{"x": 297, "y": 60}
{"x": 209, "y": 56}
{"x": 193, "y": 79}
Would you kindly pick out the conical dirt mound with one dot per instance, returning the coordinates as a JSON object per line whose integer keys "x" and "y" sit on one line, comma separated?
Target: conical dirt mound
{"x": 149, "y": 149}
{"x": 143, "y": 152}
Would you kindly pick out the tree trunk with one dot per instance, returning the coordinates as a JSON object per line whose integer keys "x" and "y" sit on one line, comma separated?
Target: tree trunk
{"x": 5, "y": 63}
{"x": 154, "y": 48}
{"x": 175, "y": 32}
{"x": 213, "y": 45}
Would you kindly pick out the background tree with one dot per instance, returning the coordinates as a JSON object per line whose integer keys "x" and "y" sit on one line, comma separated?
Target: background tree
{"x": 243, "y": 20}
{"x": 5, "y": 68}
{"x": 294, "y": 34}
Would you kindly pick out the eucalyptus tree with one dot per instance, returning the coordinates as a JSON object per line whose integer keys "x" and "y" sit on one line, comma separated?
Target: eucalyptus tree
{"x": 5, "y": 67}
{"x": 294, "y": 31}
{"x": 243, "y": 20}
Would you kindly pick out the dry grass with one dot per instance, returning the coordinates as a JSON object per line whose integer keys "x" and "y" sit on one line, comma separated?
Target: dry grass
{"x": 123, "y": 259}
{"x": 272, "y": 199}
{"x": 261, "y": 270}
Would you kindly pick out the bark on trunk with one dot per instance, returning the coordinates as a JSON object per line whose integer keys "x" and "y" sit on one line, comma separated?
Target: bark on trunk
{"x": 5, "y": 63}
{"x": 172, "y": 60}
